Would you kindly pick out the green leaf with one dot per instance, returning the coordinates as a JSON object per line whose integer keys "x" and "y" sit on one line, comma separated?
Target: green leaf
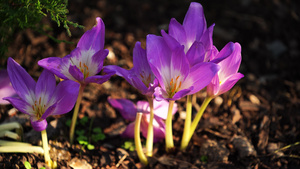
{"x": 42, "y": 168}
{"x": 203, "y": 159}
{"x": 80, "y": 132}
{"x": 27, "y": 165}
{"x": 68, "y": 122}
{"x": 83, "y": 120}
{"x": 82, "y": 138}
{"x": 82, "y": 142}
{"x": 97, "y": 130}
{"x": 90, "y": 147}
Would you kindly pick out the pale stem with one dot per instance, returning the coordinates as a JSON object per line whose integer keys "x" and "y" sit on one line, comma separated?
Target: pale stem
{"x": 75, "y": 114}
{"x": 137, "y": 139}
{"x": 45, "y": 147}
{"x": 149, "y": 140}
{"x": 187, "y": 123}
{"x": 169, "y": 134}
{"x": 198, "y": 116}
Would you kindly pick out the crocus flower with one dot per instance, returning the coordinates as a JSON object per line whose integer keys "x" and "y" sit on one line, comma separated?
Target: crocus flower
{"x": 172, "y": 69}
{"x": 128, "y": 111}
{"x": 85, "y": 61}
{"x": 140, "y": 76}
{"x": 42, "y": 98}
{"x": 227, "y": 76}
{"x": 6, "y": 89}
{"x": 193, "y": 34}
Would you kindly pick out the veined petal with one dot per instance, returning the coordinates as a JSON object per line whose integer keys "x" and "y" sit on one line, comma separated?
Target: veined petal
{"x": 224, "y": 53}
{"x": 196, "y": 53}
{"x": 97, "y": 61}
{"x": 53, "y": 64}
{"x": 76, "y": 73}
{"x": 171, "y": 41}
{"x": 177, "y": 31}
{"x": 230, "y": 82}
{"x": 178, "y": 95}
{"x": 94, "y": 38}
{"x": 65, "y": 96}
{"x": 20, "y": 104}
{"x": 21, "y": 81}
{"x": 201, "y": 75}
{"x": 49, "y": 111}
{"x": 45, "y": 86}
{"x": 207, "y": 41}
{"x": 138, "y": 84}
{"x": 129, "y": 131}
{"x": 213, "y": 87}
{"x": 38, "y": 125}
{"x": 99, "y": 78}
{"x": 126, "y": 107}
{"x": 140, "y": 62}
{"x": 194, "y": 22}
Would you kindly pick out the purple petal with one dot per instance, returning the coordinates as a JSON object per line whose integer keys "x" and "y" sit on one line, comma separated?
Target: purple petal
{"x": 213, "y": 87}
{"x": 99, "y": 78}
{"x": 49, "y": 111}
{"x": 171, "y": 42}
{"x": 230, "y": 82}
{"x": 177, "y": 31}
{"x": 129, "y": 131}
{"x": 179, "y": 63}
{"x": 54, "y": 65}
{"x": 180, "y": 94}
{"x": 19, "y": 104}
{"x": 94, "y": 38}
{"x": 158, "y": 128}
{"x": 201, "y": 75}
{"x": 4, "y": 78}
{"x": 21, "y": 81}
{"x": 231, "y": 64}
{"x": 140, "y": 61}
{"x": 196, "y": 53}
{"x": 194, "y": 22}
{"x": 224, "y": 53}
{"x": 65, "y": 96}
{"x": 7, "y": 91}
{"x": 45, "y": 84}
{"x": 161, "y": 108}
{"x": 158, "y": 54}
{"x": 160, "y": 94}
{"x": 99, "y": 57}
{"x": 139, "y": 84}
{"x": 76, "y": 73}
{"x": 207, "y": 42}
{"x": 126, "y": 107}
{"x": 38, "y": 125}
{"x": 119, "y": 71}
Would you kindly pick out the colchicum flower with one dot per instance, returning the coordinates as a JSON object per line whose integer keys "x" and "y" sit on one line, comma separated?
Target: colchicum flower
{"x": 173, "y": 71}
{"x": 140, "y": 76}
{"x": 42, "y": 98}
{"x": 193, "y": 34}
{"x": 85, "y": 61}
{"x": 228, "y": 74}
{"x": 128, "y": 111}
{"x": 6, "y": 89}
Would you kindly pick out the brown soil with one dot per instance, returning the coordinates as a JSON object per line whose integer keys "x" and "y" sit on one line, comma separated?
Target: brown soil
{"x": 240, "y": 129}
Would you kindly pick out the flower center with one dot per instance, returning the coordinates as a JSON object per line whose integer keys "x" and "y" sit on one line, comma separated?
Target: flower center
{"x": 174, "y": 86}
{"x": 38, "y": 108}
{"x": 84, "y": 69}
{"x": 146, "y": 79}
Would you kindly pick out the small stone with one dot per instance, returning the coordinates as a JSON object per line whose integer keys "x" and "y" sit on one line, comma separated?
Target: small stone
{"x": 243, "y": 147}
{"x": 215, "y": 152}
{"x": 218, "y": 101}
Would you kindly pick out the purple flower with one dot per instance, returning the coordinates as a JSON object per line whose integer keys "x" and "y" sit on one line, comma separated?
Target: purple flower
{"x": 227, "y": 75}
{"x": 85, "y": 61}
{"x": 6, "y": 89}
{"x": 172, "y": 69}
{"x": 42, "y": 98}
{"x": 193, "y": 34}
{"x": 140, "y": 76}
{"x": 128, "y": 111}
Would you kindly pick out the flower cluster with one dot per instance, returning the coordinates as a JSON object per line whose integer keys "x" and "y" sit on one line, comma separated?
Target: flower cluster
{"x": 174, "y": 65}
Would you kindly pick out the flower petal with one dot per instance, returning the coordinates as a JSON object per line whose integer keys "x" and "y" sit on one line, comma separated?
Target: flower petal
{"x": 196, "y": 53}
{"x": 45, "y": 86}
{"x": 49, "y": 111}
{"x": 99, "y": 78}
{"x": 129, "y": 131}
{"x": 38, "y": 125}
{"x": 21, "y": 81}
{"x": 182, "y": 93}
{"x": 65, "y": 96}
{"x": 94, "y": 38}
{"x": 53, "y": 64}
{"x": 213, "y": 87}
{"x": 160, "y": 94}
{"x": 177, "y": 31}
{"x": 126, "y": 107}
{"x": 7, "y": 91}
{"x": 98, "y": 59}
{"x": 161, "y": 108}
{"x": 19, "y": 104}
{"x": 194, "y": 22}
{"x": 230, "y": 82}
{"x": 76, "y": 73}
{"x": 171, "y": 42}
{"x": 224, "y": 53}
{"x": 201, "y": 75}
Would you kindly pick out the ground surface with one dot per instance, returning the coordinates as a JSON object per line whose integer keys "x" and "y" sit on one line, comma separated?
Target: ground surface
{"x": 240, "y": 129}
